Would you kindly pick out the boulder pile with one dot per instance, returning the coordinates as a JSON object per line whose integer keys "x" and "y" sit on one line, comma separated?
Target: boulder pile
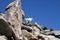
{"x": 13, "y": 28}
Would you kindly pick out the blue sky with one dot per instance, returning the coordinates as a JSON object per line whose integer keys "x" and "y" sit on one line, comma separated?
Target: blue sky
{"x": 44, "y": 12}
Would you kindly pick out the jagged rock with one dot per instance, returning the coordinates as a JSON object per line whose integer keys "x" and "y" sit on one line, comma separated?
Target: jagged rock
{"x": 28, "y": 28}
{"x": 35, "y": 30}
{"x": 5, "y": 28}
{"x": 56, "y": 32}
{"x": 28, "y": 35}
{"x": 14, "y": 17}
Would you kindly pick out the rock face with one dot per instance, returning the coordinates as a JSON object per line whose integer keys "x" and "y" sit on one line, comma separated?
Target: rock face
{"x": 12, "y": 27}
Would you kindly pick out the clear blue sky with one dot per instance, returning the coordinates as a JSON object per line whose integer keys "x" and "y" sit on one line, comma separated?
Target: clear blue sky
{"x": 44, "y": 12}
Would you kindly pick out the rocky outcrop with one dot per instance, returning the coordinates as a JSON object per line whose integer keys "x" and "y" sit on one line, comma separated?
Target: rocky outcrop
{"x": 12, "y": 26}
